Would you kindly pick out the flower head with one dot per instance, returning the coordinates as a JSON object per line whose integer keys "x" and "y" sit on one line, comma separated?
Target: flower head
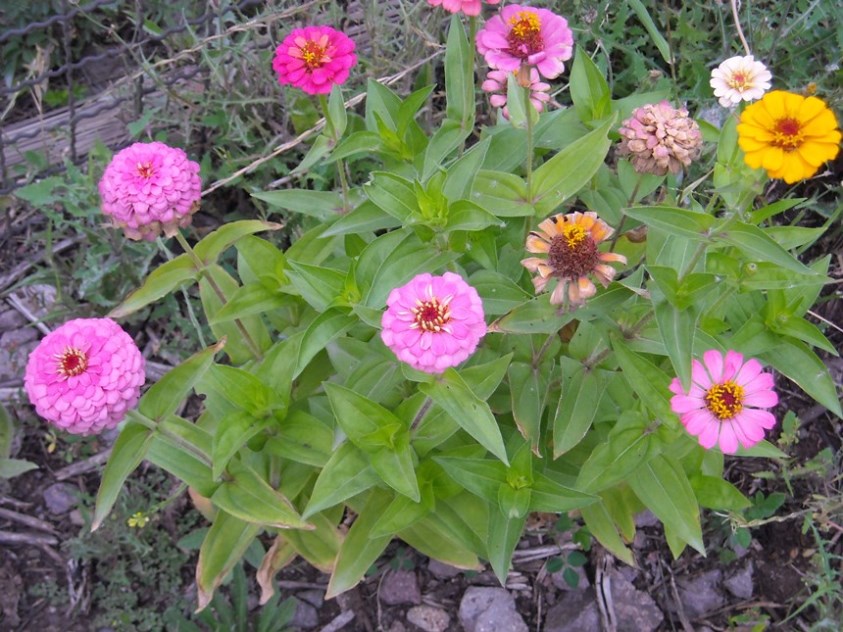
{"x": 314, "y": 59}
{"x": 725, "y": 402}
{"x": 740, "y": 79}
{"x": 659, "y": 138}
{"x": 496, "y": 85}
{"x": 789, "y": 135}
{"x": 522, "y": 35}
{"x": 148, "y": 188}
{"x": 84, "y": 376}
{"x": 433, "y": 322}
{"x": 570, "y": 243}
{"x": 468, "y": 7}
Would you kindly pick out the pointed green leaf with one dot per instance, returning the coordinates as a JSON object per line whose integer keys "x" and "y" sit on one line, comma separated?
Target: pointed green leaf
{"x": 757, "y": 245}
{"x": 577, "y": 407}
{"x": 648, "y": 381}
{"x": 164, "y": 279}
{"x": 224, "y": 546}
{"x": 215, "y": 243}
{"x": 589, "y": 90}
{"x": 346, "y": 474}
{"x": 232, "y": 433}
{"x": 504, "y": 534}
{"x": 324, "y": 328}
{"x": 715, "y": 493}
{"x": 678, "y": 222}
{"x": 600, "y": 523}
{"x": 459, "y": 75}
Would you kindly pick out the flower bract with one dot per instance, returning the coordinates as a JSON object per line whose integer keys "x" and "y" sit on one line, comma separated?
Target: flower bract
{"x": 150, "y": 188}
{"x": 468, "y": 7}
{"x": 522, "y": 35}
{"x": 789, "y": 135}
{"x": 659, "y": 139}
{"x": 496, "y": 85}
{"x": 725, "y": 404}
{"x": 84, "y": 376}
{"x": 314, "y": 58}
{"x": 570, "y": 245}
{"x": 740, "y": 79}
{"x": 433, "y": 322}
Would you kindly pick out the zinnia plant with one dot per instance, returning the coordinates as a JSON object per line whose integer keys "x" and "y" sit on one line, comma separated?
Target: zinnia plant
{"x": 659, "y": 139}
{"x": 496, "y": 85}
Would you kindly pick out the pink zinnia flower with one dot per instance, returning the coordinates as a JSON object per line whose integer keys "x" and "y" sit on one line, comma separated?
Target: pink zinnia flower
{"x": 723, "y": 405}
{"x": 659, "y": 138}
{"x": 526, "y": 36}
{"x": 433, "y": 322}
{"x": 84, "y": 376}
{"x": 314, "y": 59}
{"x": 496, "y": 85}
{"x": 148, "y": 188}
{"x": 469, "y": 7}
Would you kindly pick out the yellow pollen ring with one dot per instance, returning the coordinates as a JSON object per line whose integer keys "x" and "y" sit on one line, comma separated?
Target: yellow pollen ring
{"x": 725, "y": 400}
{"x": 431, "y": 315}
{"x": 738, "y": 81}
{"x": 525, "y": 23}
{"x": 313, "y": 54}
{"x": 787, "y": 134}
{"x": 574, "y": 235}
{"x": 72, "y": 362}
{"x": 145, "y": 169}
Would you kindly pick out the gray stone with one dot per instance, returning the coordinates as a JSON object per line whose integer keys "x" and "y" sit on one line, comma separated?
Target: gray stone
{"x": 11, "y": 319}
{"x": 701, "y": 594}
{"x": 15, "y": 347}
{"x": 441, "y": 570}
{"x": 490, "y": 610}
{"x": 740, "y": 584}
{"x": 60, "y": 498}
{"x": 576, "y": 611}
{"x": 400, "y": 587}
{"x": 635, "y": 611}
{"x": 314, "y": 597}
{"x": 646, "y": 519}
{"x": 305, "y": 616}
{"x": 428, "y": 618}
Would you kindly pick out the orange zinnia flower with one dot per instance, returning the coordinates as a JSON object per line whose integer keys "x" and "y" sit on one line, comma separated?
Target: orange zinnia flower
{"x": 570, "y": 243}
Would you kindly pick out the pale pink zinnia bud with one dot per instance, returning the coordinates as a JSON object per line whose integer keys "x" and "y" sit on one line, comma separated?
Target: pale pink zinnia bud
{"x": 726, "y": 400}
{"x": 468, "y": 7}
{"x": 150, "y": 188}
{"x": 526, "y": 36}
{"x": 84, "y": 376}
{"x": 659, "y": 138}
{"x": 433, "y": 322}
{"x": 314, "y": 58}
{"x": 496, "y": 85}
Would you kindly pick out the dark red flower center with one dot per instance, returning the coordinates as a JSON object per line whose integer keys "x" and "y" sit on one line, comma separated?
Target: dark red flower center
{"x": 145, "y": 169}
{"x": 72, "y": 362}
{"x": 572, "y": 254}
{"x": 787, "y": 134}
{"x": 525, "y": 36}
{"x": 431, "y": 315}
{"x": 314, "y": 54}
{"x": 725, "y": 400}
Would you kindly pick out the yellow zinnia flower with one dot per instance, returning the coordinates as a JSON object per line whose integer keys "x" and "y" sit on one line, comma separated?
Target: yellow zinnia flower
{"x": 789, "y": 135}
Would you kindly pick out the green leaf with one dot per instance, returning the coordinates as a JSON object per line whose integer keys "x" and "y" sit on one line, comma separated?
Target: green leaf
{"x": 600, "y": 523}
{"x": 232, "y": 433}
{"x": 397, "y": 469}
{"x": 500, "y": 193}
{"x": 392, "y": 194}
{"x": 359, "y": 550}
{"x": 346, "y": 474}
{"x": 324, "y": 328}
{"x": 504, "y": 534}
{"x": 472, "y": 414}
{"x": 432, "y": 537}
{"x": 652, "y": 30}
{"x": 646, "y": 379}
{"x": 571, "y": 169}
{"x": 527, "y": 390}
{"x": 679, "y": 222}
{"x": 537, "y": 316}
{"x": 795, "y": 360}
{"x": 589, "y": 89}
{"x": 303, "y": 438}
{"x": 402, "y": 513}
{"x": 9, "y": 468}
{"x": 7, "y": 433}
{"x": 678, "y": 329}
{"x": 368, "y": 425}
{"x": 319, "y": 546}
{"x": 364, "y": 142}
{"x": 762, "y": 449}
{"x": 243, "y": 389}
{"x": 249, "y": 300}
{"x": 166, "y": 395}
{"x": 552, "y": 496}
{"x": 249, "y": 497}
{"x": 129, "y": 450}
{"x": 576, "y": 409}
{"x": 212, "y": 245}
{"x": 164, "y": 279}
{"x": 320, "y": 148}
{"x": 499, "y": 293}
{"x": 756, "y": 244}
{"x": 367, "y": 217}
{"x": 336, "y": 116}
{"x": 465, "y": 215}
{"x": 450, "y": 135}
{"x": 461, "y": 173}
{"x": 714, "y": 493}
{"x": 323, "y": 205}
{"x": 481, "y": 477}
{"x": 318, "y": 286}
{"x": 459, "y": 75}
{"x": 662, "y": 486}
{"x": 224, "y": 546}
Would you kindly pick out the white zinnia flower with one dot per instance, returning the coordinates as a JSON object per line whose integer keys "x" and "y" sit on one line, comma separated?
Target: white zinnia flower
{"x": 740, "y": 78}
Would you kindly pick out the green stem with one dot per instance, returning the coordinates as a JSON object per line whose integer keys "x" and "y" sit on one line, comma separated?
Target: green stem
{"x": 203, "y": 270}
{"x": 528, "y": 105}
{"x": 422, "y": 412}
{"x": 332, "y": 134}
{"x": 191, "y": 314}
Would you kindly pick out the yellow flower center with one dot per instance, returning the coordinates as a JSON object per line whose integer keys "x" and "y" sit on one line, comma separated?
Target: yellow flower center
{"x": 524, "y": 37}
{"x": 572, "y": 253}
{"x": 72, "y": 362}
{"x": 573, "y": 234}
{"x": 738, "y": 81}
{"x": 725, "y": 400}
{"x": 431, "y": 315}
{"x": 313, "y": 55}
{"x": 145, "y": 169}
{"x": 787, "y": 134}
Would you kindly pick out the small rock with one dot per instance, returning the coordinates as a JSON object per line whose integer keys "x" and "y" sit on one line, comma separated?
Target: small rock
{"x": 441, "y": 570}
{"x": 76, "y": 518}
{"x": 558, "y": 579}
{"x": 740, "y": 584}
{"x": 15, "y": 346}
{"x": 635, "y": 610}
{"x": 397, "y": 626}
{"x": 11, "y": 319}
{"x": 400, "y": 587}
{"x": 701, "y": 595}
{"x": 490, "y": 610}
{"x": 574, "y": 612}
{"x": 646, "y": 519}
{"x": 314, "y": 597}
{"x": 60, "y": 498}
{"x": 428, "y": 618}
{"x": 305, "y": 616}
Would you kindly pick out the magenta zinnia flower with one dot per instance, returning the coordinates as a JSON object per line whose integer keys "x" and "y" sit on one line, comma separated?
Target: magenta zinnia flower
{"x": 314, "y": 59}
{"x": 84, "y": 376}
{"x": 469, "y": 7}
{"x": 725, "y": 401}
{"x": 496, "y": 85}
{"x": 526, "y": 36}
{"x": 148, "y": 188}
{"x": 433, "y": 322}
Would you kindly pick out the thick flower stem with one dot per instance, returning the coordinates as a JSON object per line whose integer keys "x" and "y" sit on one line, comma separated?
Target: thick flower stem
{"x": 422, "y": 412}
{"x": 332, "y": 132}
{"x": 203, "y": 270}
